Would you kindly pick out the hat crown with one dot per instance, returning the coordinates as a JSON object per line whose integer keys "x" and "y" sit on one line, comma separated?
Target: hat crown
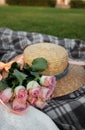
{"x": 55, "y": 55}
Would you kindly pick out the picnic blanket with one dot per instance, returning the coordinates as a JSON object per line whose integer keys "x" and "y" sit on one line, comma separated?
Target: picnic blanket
{"x": 68, "y": 112}
{"x": 34, "y": 119}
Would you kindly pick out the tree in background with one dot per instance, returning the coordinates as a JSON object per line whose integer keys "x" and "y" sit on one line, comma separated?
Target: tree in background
{"x": 32, "y": 2}
{"x": 77, "y": 3}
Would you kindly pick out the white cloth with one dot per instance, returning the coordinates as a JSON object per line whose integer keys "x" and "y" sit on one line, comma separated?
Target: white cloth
{"x": 32, "y": 120}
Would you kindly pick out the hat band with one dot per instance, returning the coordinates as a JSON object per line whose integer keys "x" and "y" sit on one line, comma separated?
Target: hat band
{"x": 61, "y": 75}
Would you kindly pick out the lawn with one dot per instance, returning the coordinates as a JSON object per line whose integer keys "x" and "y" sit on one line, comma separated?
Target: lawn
{"x": 69, "y": 23}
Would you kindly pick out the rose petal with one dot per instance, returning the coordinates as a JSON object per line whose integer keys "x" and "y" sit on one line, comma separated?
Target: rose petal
{"x": 32, "y": 84}
{"x": 35, "y": 92}
{"x": 48, "y": 81}
{"x": 6, "y": 94}
{"x": 21, "y": 94}
{"x": 40, "y": 104}
{"x": 32, "y": 100}
{"x": 17, "y": 106}
{"x": 18, "y": 88}
{"x": 45, "y": 93}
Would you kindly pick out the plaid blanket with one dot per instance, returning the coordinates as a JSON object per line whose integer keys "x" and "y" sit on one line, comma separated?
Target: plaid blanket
{"x": 67, "y": 111}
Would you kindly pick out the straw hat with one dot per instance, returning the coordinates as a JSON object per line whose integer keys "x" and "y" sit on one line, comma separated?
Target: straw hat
{"x": 69, "y": 77}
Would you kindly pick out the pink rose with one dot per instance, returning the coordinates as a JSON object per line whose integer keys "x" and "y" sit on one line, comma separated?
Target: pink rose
{"x": 35, "y": 92}
{"x": 21, "y": 94}
{"x": 18, "y": 106}
{"x": 37, "y": 102}
{"x": 46, "y": 93}
{"x": 40, "y": 104}
{"x": 51, "y": 90}
{"x": 5, "y": 95}
{"x": 48, "y": 81}
{"x": 32, "y": 100}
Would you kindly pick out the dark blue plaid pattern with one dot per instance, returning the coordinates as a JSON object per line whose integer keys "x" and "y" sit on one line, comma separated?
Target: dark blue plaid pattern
{"x": 68, "y": 112}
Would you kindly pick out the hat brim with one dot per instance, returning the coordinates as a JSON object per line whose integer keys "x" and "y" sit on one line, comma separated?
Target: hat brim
{"x": 74, "y": 79}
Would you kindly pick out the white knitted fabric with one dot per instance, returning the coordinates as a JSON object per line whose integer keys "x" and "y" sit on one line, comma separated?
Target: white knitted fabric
{"x": 32, "y": 120}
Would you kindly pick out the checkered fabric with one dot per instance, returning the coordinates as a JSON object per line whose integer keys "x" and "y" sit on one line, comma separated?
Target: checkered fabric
{"x": 68, "y": 112}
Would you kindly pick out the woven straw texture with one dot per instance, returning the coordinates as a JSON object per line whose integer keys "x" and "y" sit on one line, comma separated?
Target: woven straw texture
{"x": 71, "y": 82}
{"x": 55, "y": 55}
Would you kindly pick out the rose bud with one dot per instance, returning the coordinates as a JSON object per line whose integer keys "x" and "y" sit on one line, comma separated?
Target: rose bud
{"x": 21, "y": 94}
{"x": 6, "y": 95}
{"x": 35, "y": 92}
{"x": 48, "y": 81}
{"x": 46, "y": 93}
{"x": 32, "y": 84}
{"x": 17, "y": 106}
{"x": 32, "y": 100}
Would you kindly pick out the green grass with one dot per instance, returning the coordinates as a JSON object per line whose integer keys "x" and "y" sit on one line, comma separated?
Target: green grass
{"x": 69, "y": 23}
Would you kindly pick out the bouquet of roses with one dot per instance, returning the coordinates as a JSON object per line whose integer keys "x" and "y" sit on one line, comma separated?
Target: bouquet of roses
{"x": 28, "y": 86}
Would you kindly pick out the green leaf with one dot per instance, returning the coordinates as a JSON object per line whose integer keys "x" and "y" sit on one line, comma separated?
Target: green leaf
{"x": 12, "y": 81}
{"x": 20, "y": 76}
{"x": 39, "y": 64}
{"x": 3, "y": 85}
{"x": 35, "y": 74}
